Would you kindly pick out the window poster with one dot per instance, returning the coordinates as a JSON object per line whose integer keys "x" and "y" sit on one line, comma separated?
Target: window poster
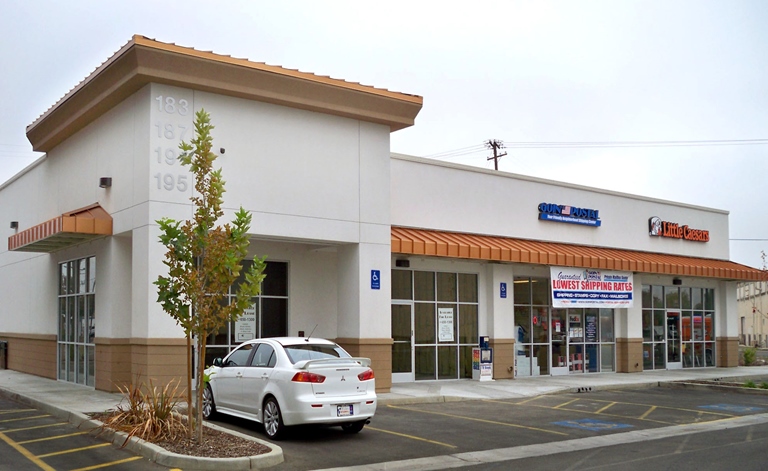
{"x": 245, "y": 326}
{"x": 575, "y": 287}
{"x": 445, "y": 324}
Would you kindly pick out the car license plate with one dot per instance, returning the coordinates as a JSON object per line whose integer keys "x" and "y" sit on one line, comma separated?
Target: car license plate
{"x": 344, "y": 410}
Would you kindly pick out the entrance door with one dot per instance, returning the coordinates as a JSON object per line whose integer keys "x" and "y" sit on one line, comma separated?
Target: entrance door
{"x": 402, "y": 348}
{"x": 674, "y": 347}
{"x": 559, "y": 342}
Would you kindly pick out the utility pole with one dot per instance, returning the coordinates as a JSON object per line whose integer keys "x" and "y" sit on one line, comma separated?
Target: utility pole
{"x": 495, "y": 145}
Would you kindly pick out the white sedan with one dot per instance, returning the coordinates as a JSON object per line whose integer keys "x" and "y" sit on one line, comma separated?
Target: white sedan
{"x": 285, "y": 381}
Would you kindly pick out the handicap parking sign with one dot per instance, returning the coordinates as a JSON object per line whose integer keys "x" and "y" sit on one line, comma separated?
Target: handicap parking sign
{"x": 592, "y": 425}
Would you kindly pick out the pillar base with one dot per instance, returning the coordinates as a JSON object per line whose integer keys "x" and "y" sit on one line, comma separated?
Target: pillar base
{"x": 727, "y": 352}
{"x": 380, "y": 353}
{"x": 629, "y": 355}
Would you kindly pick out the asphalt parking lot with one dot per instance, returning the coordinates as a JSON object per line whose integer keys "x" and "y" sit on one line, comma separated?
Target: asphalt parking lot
{"x": 402, "y": 432}
{"x": 33, "y": 440}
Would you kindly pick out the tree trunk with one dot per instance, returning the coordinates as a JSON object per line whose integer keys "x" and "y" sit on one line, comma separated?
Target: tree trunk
{"x": 200, "y": 385}
{"x": 190, "y": 421}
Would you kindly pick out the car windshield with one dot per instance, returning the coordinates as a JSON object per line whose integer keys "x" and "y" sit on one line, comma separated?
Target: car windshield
{"x": 303, "y": 352}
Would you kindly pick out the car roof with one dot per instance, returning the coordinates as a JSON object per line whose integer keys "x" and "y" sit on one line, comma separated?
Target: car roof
{"x": 297, "y": 341}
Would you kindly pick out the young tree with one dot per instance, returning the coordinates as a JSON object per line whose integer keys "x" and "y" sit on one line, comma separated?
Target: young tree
{"x": 204, "y": 259}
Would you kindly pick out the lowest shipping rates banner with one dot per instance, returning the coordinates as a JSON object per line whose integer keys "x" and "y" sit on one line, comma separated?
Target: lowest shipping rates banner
{"x": 574, "y": 287}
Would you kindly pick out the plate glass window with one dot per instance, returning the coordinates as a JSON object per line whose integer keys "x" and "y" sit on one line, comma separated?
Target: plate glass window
{"x": 77, "y": 321}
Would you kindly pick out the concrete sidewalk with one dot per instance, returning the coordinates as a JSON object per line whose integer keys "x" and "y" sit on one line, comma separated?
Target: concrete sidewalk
{"x": 72, "y": 402}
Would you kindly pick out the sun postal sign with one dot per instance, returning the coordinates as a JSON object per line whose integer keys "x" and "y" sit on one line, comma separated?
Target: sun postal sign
{"x": 578, "y": 287}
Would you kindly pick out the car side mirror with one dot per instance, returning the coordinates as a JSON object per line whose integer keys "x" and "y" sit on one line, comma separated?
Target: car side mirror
{"x": 217, "y": 362}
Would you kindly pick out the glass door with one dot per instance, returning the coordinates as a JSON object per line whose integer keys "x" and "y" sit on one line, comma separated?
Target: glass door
{"x": 402, "y": 346}
{"x": 674, "y": 347}
{"x": 559, "y": 342}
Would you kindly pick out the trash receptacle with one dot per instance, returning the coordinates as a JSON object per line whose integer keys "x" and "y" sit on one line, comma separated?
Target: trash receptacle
{"x": 3, "y": 355}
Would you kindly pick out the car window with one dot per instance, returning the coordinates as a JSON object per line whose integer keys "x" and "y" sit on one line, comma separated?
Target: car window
{"x": 240, "y": 356}
{"x": 264, "y": 356}
{"x": 303, "y": 352}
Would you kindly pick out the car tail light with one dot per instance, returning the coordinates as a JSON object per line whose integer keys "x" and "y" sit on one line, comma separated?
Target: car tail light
{"x": 307, "y": 377}
{"x": 365, "y": 375}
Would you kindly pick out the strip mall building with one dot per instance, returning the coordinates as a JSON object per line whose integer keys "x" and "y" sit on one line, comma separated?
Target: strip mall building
{"x": 400, "y": 259}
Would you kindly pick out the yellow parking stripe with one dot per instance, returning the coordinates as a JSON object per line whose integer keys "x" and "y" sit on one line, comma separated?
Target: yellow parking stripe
{"x": 73, "y": 450}
{"x": 565, "y": 404}
{"x": 11, "y": 411}
{"x": 24, "y": 418}
{"x": 35, "y": 427}
{"x": 51, "y": 438}
{"x": 26, "y": 453}
{"x": 665, "y": 407}
{"x": 113, "y": 463}
{"x": 475, "y": 419}
{"x": 647, "y": 413}
{"x": 585, "y": 412}
{"x": 606, "y": 407}
{"x": 412, "y": 437}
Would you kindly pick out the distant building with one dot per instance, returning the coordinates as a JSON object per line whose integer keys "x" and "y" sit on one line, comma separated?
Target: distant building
{"x": 753, "y": 313}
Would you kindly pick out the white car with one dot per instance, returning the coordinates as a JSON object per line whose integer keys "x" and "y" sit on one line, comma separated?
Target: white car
{"x": 285, "y": 381}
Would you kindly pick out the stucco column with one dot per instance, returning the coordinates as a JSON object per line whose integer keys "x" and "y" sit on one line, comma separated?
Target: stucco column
{"x": 501, "y": 320}
{"x": 727, "y": 324}
{"x": 629, "y": 332}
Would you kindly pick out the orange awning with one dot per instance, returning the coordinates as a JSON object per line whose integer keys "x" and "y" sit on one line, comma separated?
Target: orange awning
{"x": 72, "y": 228}
{"x": 503, "y": 249}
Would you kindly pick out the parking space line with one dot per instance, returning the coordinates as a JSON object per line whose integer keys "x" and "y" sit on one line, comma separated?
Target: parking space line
{"x": 475, "y": 419}
{"x": 647, "y": 413}
{"x": 664, "y": 407}
{"x": 527, "y": 400}
{"x": 412, "y": 437}
{"x": 606, "y": 408}
{"x": 11, "y": 411}
{"x": 52, "y": 438}
{"x": 35, "y": 427}
{"x": 24, "y": 418}
{"x": 111, "y": 463}
{"x": 74, "y": 450}
{"x": 564, "y": 404}
{"x": 26, "y": 453}
{"x": 585, "y": 412}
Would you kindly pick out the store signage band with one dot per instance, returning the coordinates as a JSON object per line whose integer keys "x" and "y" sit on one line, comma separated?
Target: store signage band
{"x": 578, "y": 287}
{"x": 569, "y": 214}
{"x": 673, "y": 230}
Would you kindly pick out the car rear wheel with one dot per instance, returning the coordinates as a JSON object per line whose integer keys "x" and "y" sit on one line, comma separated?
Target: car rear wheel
{"x": 353, "y": 427}
{"x": 273, "y": 420}
{"x": 209, "y": 405}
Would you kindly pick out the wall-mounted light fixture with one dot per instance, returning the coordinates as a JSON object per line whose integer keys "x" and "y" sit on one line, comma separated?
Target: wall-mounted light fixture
{"x": 105, "y": 182}
{"x": 221, "y": 151}
{"x": 14, "y": 224}
{"x": 677, "y": 281}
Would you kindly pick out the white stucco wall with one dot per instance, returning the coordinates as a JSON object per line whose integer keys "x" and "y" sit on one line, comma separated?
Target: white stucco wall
{"x": 443, "y": 196}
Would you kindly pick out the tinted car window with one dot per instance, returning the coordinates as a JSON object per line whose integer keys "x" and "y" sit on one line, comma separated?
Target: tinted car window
{"x": 240, "y": 356}
{"x": 303, "y": 352}
{"x": 264, "y": 356}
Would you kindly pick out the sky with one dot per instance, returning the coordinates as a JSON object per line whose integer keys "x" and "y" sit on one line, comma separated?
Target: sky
{"x": 676, "y": 92}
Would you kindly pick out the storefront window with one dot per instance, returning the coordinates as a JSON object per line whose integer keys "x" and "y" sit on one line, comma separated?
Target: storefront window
{"x": 559, "y": 341}
{"x": 678, "y": 328}
{"x": 267, "y": 317}
{"x": 77, "y": 321}
{"x": 444, "y": 307}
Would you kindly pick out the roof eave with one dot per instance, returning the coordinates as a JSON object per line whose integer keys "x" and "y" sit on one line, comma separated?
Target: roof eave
{"x": 144, "y": 61}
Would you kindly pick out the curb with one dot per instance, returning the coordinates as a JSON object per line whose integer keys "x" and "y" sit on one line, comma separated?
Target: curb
{"x": 153, "y": 452}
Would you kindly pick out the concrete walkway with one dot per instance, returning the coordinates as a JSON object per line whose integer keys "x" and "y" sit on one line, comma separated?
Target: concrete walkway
{"x": 72, "y": 402}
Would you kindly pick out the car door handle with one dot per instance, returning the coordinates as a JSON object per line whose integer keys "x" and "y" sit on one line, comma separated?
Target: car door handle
{"x": 239, "y": 375}
{"x": 265, "y": 377}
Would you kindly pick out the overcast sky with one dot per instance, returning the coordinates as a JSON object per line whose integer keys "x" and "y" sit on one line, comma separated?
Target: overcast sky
{"x": 536, "y": 71}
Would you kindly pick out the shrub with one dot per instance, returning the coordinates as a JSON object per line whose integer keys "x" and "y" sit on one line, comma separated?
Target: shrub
{"x": 150, "y": 413}
{"x": 750, "y": 384}
{"x": 763, "y": 385}
{"x": 750, "y": 353}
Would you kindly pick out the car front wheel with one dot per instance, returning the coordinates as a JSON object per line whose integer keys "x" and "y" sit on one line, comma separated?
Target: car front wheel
{"x": 273, "y": 421}
{"x": 354, "y": 427}
{"x": 209, "y": 405}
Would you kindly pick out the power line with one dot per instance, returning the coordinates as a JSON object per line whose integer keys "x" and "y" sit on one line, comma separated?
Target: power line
{"x": 593, "y": 144}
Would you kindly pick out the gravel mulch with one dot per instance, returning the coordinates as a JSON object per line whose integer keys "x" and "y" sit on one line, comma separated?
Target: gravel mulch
{"x": 216, "y": 444}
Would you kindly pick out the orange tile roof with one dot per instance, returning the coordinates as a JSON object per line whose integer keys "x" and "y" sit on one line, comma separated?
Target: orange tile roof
{"x": 503, "y": 249}
{"x": 63, "y": 231}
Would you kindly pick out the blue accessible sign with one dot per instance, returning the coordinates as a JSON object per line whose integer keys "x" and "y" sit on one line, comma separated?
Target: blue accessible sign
{"x": 375, "y": 279}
